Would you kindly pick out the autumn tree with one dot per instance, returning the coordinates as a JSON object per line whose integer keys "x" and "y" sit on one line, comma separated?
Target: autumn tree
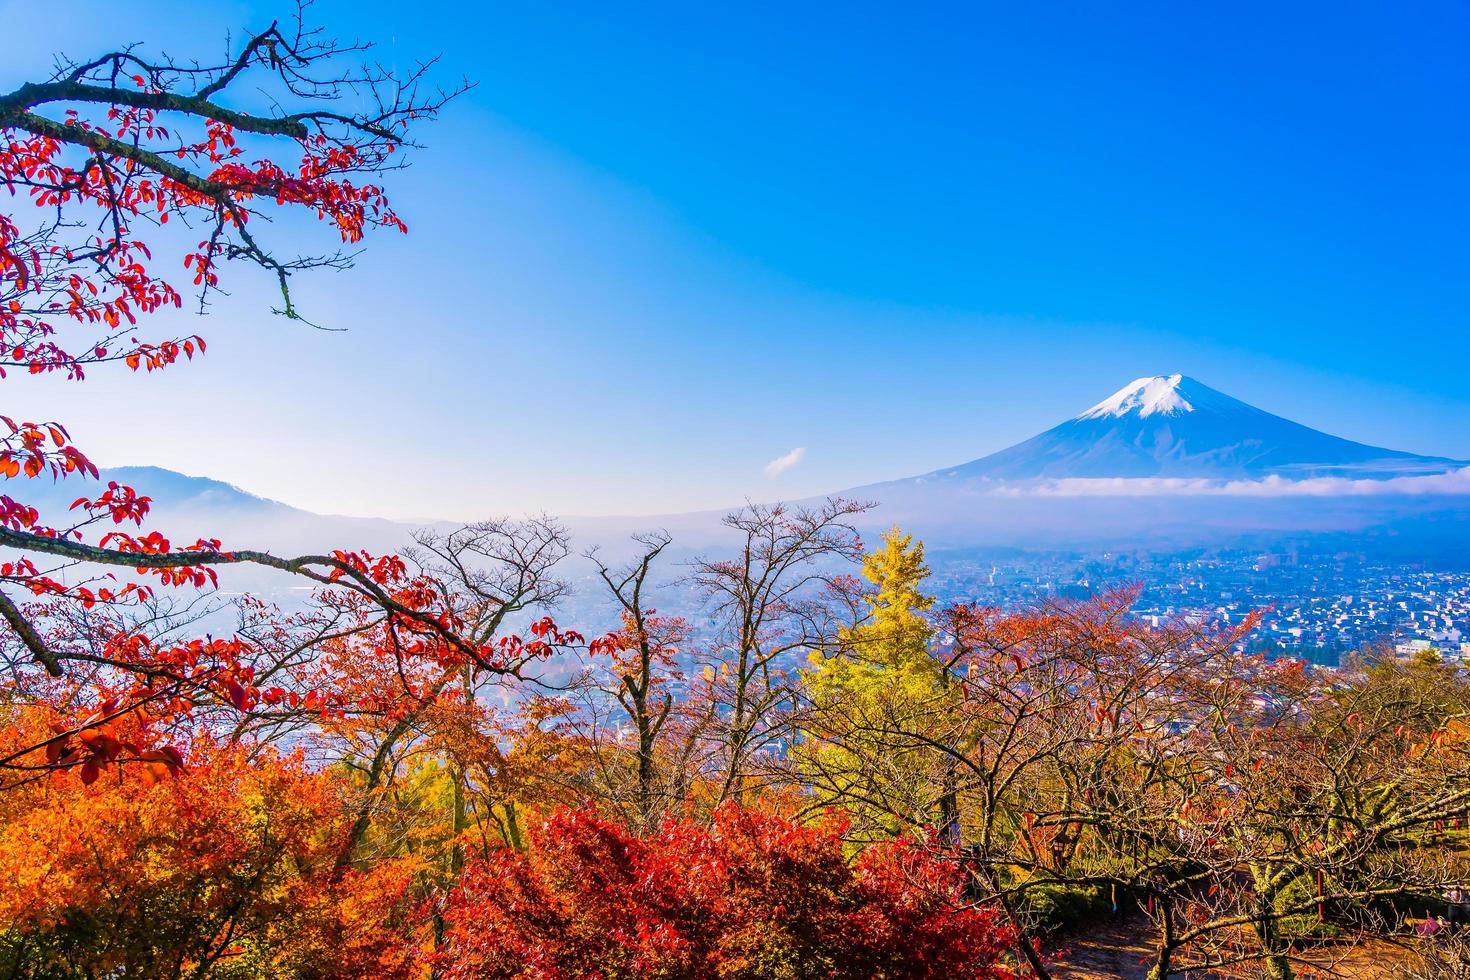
{"x": 1242, "y": 802}
{"x": 1304, "y": 801}
{"x": 397, "y": 696}
{"x": 97, "y": 159}
{"x": 879, "y": 675}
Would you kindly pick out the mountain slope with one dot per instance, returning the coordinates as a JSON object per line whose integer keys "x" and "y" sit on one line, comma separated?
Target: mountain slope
{"x": 188, "y": 507}
{"x": 1173, "y": 426}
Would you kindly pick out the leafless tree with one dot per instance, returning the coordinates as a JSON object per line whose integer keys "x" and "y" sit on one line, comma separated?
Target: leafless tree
{"x": 780, "y": 596}
{"x": 642, "y": 660}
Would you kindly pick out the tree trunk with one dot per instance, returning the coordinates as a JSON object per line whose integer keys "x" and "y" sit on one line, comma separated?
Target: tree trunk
{"x": 1163, "y": 961}
{"x": 513, "y": 826}
{"x": 1268, "y": 932}
{"x": 377, "y": 772}
{"x": 461, "y": 821}
{"x": 949, "y": 809}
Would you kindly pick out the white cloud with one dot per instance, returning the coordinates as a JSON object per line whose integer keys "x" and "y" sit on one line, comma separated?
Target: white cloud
{"x": 1453, "y": 482}
{"x": 781, "y": 464}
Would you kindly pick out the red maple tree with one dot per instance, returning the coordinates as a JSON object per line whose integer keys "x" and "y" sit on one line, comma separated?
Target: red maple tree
{"x": 96, "y": 163}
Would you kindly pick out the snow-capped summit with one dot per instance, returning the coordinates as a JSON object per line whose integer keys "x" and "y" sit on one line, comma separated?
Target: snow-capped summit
{"x": 1160, "y": 394}
{"x": 1175, "y": 426}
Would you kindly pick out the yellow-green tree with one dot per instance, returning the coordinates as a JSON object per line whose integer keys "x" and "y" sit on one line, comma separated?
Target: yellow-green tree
{"x": 895, "y": 639}
{"x": 878, "y": 683}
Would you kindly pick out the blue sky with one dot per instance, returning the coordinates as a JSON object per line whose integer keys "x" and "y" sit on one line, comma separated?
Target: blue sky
{"x": 659, "y": 247}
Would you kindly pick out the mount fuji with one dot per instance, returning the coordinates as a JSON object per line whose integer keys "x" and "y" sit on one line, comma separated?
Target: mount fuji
{"x": 1170, "y": 461}
{"x": 1176, "y": 427}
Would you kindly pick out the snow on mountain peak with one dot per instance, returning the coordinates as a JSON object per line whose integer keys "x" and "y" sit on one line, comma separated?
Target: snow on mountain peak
{"x": 1158, "y": 395}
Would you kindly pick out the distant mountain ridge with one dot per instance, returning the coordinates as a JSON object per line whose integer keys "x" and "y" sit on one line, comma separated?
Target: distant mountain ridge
{"x": 169, "y": 490}
{"x": 188, "y": 507}
{"x": 1173, "y": 426}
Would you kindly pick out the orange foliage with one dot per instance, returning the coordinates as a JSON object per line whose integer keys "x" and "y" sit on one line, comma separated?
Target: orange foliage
{"x": 228, "y": 868}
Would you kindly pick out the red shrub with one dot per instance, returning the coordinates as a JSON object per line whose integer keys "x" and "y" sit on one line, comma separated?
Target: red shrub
{"x": 752, "y": 896}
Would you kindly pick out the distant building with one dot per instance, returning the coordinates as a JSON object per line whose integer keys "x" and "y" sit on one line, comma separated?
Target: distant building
{"x": 1412, "y": 648}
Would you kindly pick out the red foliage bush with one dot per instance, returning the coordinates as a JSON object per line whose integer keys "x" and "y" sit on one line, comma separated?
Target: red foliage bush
{"x": 750, "y": 896}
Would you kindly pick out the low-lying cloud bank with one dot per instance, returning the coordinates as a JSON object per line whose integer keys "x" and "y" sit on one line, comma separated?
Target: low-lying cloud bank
{"x": 1438, "y": 484}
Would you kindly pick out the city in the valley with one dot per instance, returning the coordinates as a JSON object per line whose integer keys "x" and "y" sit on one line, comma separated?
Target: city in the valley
{"x": 1315, "y": 606}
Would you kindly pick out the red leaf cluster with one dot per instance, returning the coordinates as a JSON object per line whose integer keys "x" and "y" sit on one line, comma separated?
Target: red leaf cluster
{"x": 749, "y": 896}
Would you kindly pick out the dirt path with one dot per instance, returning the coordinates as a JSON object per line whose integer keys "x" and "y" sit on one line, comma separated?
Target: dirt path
{"x": 1122, "y": 949}
{"x": 1118, "y": 948}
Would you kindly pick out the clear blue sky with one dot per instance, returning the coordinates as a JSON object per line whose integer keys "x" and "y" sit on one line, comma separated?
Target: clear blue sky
{"x": 658, "y": 247}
